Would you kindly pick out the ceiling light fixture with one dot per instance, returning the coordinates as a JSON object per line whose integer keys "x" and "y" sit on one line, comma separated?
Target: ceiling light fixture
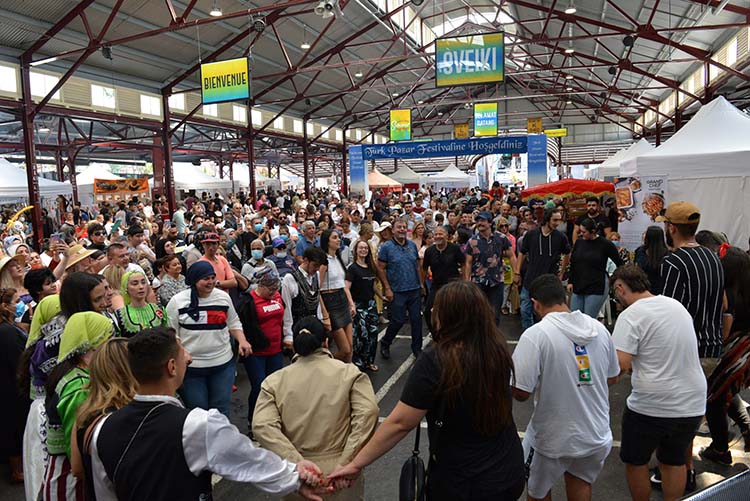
{"x": 440, "y": 113}
{"x": 570, "y": 50}
{"x": 216, "y": 11}
{"x": 569, "y": 77}
{"x": 43, "y": 61}
{"x": 395, "y": 94}
{"x": 304, "y": 45}
{"x": 420, "y": 102}
{"x": 43, "y": 129}
{"x": 571, "y": 9}
{"x": 358, "y": 74}
{"x": 569, "y": 89}
{"x": 568, "y": 102}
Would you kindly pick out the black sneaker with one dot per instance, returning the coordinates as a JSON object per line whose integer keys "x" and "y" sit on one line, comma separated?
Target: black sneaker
{"x": 385, "y": 352}
{"x": 655, "y": 478}
{"x": 690, "y": 482}
{"x": 711, "y": 454}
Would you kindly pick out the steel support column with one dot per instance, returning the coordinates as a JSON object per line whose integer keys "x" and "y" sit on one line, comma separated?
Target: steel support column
{"x": 305, "y": 158}
{"x": 166, "y": 138}
{"x": 221, "y": 166}
{"x": 658, "y": 133}
{"x": 231, "y": 172}
{"x": 72, "y": 157}
{"x": 157, "y": 159}
{"x": 59, "y": 165}
{"x": 32, "y": 170}
{"x": 344, "y": 177}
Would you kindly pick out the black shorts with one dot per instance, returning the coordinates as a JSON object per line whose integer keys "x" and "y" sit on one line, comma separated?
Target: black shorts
{"x": 669, "y": 437}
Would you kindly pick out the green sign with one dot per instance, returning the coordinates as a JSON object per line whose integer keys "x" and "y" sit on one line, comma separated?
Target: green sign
{"x": 469, "y": 60}
{"x": 400, "y": 125}
{"x": 485, "y": 119}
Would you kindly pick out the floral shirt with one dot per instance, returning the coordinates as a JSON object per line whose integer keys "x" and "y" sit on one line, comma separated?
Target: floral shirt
{"x": 487, "y": 258}
{"x": 169, "y": 287}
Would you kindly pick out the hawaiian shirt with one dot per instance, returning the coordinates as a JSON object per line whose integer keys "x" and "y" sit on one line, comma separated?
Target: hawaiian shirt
{"x": 487, "y": 266}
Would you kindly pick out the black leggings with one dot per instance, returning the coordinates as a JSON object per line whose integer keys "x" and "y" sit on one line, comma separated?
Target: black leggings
{"x": 716, "y": 417}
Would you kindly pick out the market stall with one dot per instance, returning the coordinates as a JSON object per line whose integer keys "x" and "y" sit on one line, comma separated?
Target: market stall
{"x": 407, "y": 177}
{"x": 189, "y": 177}
{"x": 706, "y": 163}
{"x": 610, "y": 168}
{"x": 14, "y": 187}
{"x": 451, "y": 178}
{"x": 568, "y": 188}
{"x": 378, "y": 181}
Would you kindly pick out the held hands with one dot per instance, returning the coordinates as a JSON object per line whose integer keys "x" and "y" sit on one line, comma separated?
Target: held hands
{"x": 315, "y": 483}
{"x": 353, "y": 309}
{"x": 388, "y": 295}
{"x": 344, "y": 476}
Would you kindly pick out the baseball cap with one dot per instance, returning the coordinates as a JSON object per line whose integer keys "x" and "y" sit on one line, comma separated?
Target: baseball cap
{"x": 278, "y": 242}
{"x": 484, "y": 215}
{"x": 680, "y": 213}
{"x": 210, "y": 237}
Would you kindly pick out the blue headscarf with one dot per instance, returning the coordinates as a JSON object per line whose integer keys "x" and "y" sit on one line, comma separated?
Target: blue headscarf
{"x": 198, "y": 271}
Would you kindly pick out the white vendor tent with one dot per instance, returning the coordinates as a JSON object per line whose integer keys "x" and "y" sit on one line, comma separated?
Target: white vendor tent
{"x": 242, "y": 179}
{"x": 14, "y": 186}
{"x": 451, "y": 177}
{"x": 85, "y": 179}
{"x": 190, "y": 177}
{"x": 405, "y": 175}
{"x": 611, "y": 166}
{"x": 707, "y": 162}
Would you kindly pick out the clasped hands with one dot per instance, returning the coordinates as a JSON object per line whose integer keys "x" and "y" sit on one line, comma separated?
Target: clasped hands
{"x": 315, "y": 483}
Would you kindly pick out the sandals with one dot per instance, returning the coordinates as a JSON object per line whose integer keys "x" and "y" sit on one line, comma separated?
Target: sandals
{"x": 372, "y": 368}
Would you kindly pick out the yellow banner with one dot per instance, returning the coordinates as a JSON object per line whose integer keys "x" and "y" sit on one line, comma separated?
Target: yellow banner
{"x": 461, "y": 131}
{"x": 534, "y": 125}
{"x": 556, "y": 132}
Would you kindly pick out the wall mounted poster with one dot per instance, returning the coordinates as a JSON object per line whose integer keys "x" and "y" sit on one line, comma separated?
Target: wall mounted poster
{"x": 469, "y": 60}
{"x": 639, "y": 201}
{"x": 400, "y": 125}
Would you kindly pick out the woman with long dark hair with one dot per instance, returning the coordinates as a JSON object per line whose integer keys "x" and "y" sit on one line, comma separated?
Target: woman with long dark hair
{"x": 732, "y": 375}
{"x": 649, "y": 255}
{"x": 462, "y": 384}
{"x": 336, "y": 297}
{"x": 588, "y": 268}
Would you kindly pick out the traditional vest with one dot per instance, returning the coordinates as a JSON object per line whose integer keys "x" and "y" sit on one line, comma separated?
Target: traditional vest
{"x": 308, "y": 297}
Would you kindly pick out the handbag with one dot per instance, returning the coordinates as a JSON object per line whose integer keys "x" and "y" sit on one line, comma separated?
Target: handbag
{"x": 412, "y": 480}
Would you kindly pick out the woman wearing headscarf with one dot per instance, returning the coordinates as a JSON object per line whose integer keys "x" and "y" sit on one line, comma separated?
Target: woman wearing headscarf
{"x": 137, "y": 314}
{"x": 262, "y": 315}
{"x": 204, "y": 319}
{"x": 290, "y": 409}
{"x": 66, "y": 390}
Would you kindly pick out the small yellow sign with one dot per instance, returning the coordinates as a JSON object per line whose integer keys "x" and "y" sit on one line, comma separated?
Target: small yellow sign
{"x": 461, "y": 131}
{"x": 534, "y": 125}
{"x": 556, "y": 132}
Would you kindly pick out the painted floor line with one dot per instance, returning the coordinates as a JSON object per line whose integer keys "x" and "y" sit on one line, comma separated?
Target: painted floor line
{"x": 383, "y": 391}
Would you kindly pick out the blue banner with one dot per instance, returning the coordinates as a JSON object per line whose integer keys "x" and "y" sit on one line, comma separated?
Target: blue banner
{"x": 537, "y": 159}
{"x": 448, "y": 148}
{"x": 357, "y": 171}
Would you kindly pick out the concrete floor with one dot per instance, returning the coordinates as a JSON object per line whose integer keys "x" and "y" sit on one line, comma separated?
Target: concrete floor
{"x": 382, "y": 477}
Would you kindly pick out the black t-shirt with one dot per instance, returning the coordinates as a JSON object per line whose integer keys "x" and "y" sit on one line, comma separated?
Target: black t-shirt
{"x": 588, "y": 264}
{"x": 466, "y": 459}
{"x": 444, "y": 265}
{"x": 600, "y": 219}
{"x": 363, "y": 282}
{"x": 542, "y": 253}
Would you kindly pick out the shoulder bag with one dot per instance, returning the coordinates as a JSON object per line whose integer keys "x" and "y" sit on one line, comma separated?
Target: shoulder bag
{"x": 413, "y": 473}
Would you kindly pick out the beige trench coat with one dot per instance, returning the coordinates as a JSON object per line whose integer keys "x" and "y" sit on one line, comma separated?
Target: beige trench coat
{"x": 319, "y": 409}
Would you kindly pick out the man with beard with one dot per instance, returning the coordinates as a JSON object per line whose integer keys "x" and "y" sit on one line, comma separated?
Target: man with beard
{"x": 593, "y": 212}
{"x": 693, "y": 275}
{"x": 541, "y": 249}
{"x": 444, "y": 261}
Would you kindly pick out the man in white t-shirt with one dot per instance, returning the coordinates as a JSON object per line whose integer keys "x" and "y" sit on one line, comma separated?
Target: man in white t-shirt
{"x": 567, "y": 361}
{"x": 655, "y": 338}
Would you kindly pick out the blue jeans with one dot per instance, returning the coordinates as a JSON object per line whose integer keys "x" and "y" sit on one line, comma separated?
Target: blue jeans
{"x": 258, "y": 368}
{"x": 209, "y": 387}
{"x": 590, "y": 304}
{"x": 527, "y": 309}
{"x": 403, "y": 302}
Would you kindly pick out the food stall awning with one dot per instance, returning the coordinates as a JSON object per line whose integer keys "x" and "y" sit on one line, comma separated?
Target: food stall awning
{"x": 566, "y": 188}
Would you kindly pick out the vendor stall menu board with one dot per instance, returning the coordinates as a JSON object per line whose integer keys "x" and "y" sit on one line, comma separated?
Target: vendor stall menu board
{"x": 639, "y": 201}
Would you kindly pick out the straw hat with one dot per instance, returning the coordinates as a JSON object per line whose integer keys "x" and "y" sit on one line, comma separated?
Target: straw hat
{"x": 7, "y": 259}
{"x": 76, "y": 254}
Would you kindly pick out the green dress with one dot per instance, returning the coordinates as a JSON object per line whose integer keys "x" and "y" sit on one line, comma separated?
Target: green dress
{"x": 131, "y": 319}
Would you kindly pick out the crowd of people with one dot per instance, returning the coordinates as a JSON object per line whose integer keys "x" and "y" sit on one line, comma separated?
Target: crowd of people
{"x": 125, "y": 334}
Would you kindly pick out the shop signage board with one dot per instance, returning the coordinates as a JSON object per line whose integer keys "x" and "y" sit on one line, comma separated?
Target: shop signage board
{"x": 469, "y": 60}
{"x": 556, "y": 132}
{"x": 485, "y": 119}
{"x": 461, "y": 131}
{"x": 357, "y": 171}
{"x": 114, "y": 190}
{"x": 639, "y": 201}
{"x": 400, "y": 125}
{"x": 537, "y": 159}
{"x": 447, "y": 148}
{"x": 534, "y": 125}
{"x": 224, "y": 81}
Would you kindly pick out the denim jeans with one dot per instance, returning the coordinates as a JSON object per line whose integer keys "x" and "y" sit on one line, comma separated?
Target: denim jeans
{"x": 405, "y": 302}
{"x": 209, "y": 387}
{"x": 527, "y": 309}
{"x": 258, "y": 368}
{"x": 495, "y": 296}
{"x": 590, "y": 304}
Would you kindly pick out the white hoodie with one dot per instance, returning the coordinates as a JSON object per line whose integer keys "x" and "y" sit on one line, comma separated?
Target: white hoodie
{"x": 565, "y": 361}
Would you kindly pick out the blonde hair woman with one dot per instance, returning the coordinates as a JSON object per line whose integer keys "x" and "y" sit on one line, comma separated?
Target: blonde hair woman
{"x": 113, "y": 274}
{"x": 111, "y": 387}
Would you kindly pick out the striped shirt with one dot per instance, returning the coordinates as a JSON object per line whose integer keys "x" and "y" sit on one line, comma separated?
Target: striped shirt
{"x": 694, "y": 277}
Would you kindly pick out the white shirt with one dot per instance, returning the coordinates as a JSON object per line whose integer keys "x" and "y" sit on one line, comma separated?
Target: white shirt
{"x": 211, "y": 443}
{"x": 571, "y": 408}
{"x": 335, "y": 274}
{"x": 667, "y": 380}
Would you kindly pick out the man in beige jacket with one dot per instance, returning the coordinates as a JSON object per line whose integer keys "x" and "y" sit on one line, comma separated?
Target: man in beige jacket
{"x": 318, "y": 408}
